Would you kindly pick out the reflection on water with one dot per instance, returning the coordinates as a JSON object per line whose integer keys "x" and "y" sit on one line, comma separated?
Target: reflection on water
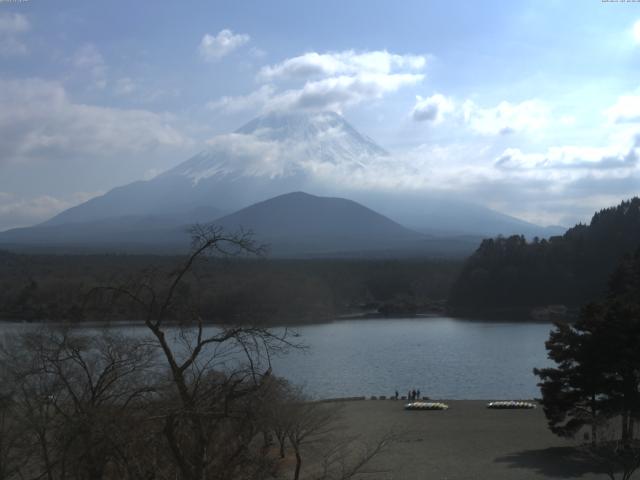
{"x": 443, "y": 357}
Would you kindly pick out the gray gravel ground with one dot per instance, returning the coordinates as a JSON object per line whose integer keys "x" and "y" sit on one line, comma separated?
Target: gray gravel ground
{"x": 468, "y": 441}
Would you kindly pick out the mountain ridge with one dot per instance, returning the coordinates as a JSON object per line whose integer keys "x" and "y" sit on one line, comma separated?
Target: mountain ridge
{"x": 293, "y": 225}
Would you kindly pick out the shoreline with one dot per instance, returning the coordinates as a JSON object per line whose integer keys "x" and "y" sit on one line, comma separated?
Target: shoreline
{"x": 367, "y": 316}
{"x": 400, "y": 400}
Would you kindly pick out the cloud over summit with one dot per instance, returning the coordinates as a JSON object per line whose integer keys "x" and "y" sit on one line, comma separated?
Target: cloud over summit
{"x": 348, "y": 62}
{"x": 329, "y": 81}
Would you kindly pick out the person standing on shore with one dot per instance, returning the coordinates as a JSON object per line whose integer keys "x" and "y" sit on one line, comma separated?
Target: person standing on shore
{"x": 418, "y": 394}
{"x": 396, "y": 394}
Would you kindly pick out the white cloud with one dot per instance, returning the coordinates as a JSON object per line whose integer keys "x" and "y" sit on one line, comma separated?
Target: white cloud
{"x": 626, "y": 109}
{"x": 19, "y": 211}
{"x": 337, "y": 93}
{"x": 11, "y": 47}
{"x": 89, "y": 58}
{"x": 349, "y": 63}
{"x": 39, "y": 121}
{"x": 12, "y": 25}
{"x": 570, "y": 157}
{"x": 503, "y": 119}
{"x": 564, "y": 183}
{"x": 432, "y": 109}
{"x": 636, "y": 32}
{"x": 151, "y": 173}
{"x": 506, "y": 118}
{"x": 253, "y": 155}
{"x": 567, "y": 120}
{"x": 213, "y": 48}
{"x": 559, "y": 186}
{"x": 256, "y": 52}
{"x": 125, "y": 86}
{"x": 328, "y": 81}
{"x": 429, "y": 167}
{"x": 253, "y": 101}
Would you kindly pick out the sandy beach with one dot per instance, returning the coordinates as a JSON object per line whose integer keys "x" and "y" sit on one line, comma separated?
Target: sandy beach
{"x": 468, "y": 441}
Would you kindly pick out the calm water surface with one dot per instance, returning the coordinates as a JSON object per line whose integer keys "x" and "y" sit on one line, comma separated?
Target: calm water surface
{"x": 443, "y": 357}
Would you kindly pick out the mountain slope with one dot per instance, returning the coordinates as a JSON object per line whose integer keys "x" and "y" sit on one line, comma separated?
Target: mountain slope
{"x": 446, "y": 216}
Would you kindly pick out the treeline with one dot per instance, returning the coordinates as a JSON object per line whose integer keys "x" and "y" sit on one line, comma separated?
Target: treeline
{"x": 55, "y": 287}
{"x": 569, "y": 270}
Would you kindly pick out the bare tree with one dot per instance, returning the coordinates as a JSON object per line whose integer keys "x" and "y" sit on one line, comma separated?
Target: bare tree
{"x": 12, "y": 457}
{"x": 311, "y": 422}
{"x": 314, "y": 428}
{"x": 74, "y": 397}
{"x": 348, "y": 457}
{"x": 214, "y": 372}
{"x": 275, "y": 413}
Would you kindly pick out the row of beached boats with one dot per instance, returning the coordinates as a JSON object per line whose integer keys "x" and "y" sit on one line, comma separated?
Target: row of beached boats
{"x": 511, "y": 404}
{"x": 501, "y": 405}
{"x": 426, "y": 406}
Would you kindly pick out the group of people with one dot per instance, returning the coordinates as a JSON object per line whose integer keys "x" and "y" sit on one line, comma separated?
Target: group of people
{"x": 411, "y": 395}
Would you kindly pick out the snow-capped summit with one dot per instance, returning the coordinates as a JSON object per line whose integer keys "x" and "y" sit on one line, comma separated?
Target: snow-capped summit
{"x": 322, "y": 129}
{"x": 282, "y": 145}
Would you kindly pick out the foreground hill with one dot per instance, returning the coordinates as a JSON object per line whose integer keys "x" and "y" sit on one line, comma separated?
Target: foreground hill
{"x": 297, "y": 223}
{"x": 570, "y": 269}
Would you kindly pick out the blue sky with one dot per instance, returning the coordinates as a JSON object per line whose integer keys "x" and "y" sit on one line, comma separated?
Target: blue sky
{"x": 532, "y": 108}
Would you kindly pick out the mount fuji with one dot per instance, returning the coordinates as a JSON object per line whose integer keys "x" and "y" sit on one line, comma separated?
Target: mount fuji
{"x": 270, "y": 156}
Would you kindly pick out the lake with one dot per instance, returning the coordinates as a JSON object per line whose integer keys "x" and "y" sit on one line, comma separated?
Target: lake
{"x": 443, "y": 357}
